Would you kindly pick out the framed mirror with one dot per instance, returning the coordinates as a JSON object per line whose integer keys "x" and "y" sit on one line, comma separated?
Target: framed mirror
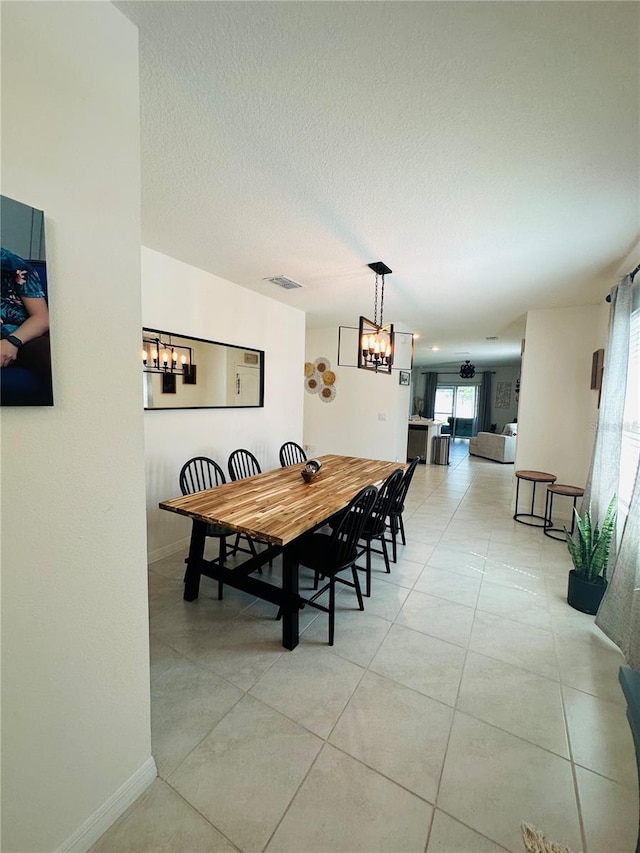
{"x": 181, "y": 372}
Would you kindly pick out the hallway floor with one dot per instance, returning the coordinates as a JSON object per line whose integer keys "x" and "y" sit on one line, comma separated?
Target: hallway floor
{"x": 467, "y": 698}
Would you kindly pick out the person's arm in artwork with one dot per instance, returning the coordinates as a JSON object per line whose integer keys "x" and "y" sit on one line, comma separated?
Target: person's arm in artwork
{"x": 36, "y": 324}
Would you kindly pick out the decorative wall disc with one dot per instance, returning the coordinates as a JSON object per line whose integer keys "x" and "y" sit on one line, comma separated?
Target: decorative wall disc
{"x": 320, "y": 379}
{"x": 327, "y": 393}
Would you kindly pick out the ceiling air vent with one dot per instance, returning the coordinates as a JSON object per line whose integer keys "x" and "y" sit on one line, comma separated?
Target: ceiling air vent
{"x": 284, "y": 281}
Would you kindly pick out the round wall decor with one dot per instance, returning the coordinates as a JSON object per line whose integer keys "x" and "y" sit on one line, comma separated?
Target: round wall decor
{"x": 320, "y": 379}
{"x": 327, "y": 393}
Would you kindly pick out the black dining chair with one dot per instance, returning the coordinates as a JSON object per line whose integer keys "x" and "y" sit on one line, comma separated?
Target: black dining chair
{"x": 291, "y": 453}
{"x": 375, "y": 527}
{"x": 329, "y": 554}
{"x": 202, "y": 473}
{"x": 395, "y": 522}
{"x": 242, "y": 463}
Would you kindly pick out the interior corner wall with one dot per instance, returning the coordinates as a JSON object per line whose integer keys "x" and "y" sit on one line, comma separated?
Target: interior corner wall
{"x": 177, "y": 297}
{"x": 558, "y": 411}
{"x": 370, "y": 412}
{"x": 75, "y": 658}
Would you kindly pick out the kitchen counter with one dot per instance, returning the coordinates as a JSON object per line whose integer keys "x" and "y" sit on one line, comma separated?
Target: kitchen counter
{"x": 422, "y": 431}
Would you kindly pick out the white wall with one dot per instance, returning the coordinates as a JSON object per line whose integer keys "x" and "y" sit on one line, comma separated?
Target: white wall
{"x": 558, "y": 410}
{"x": 369, "y": 416}
{"x": 75, "y": 665}
{"x": 181, "y": 298}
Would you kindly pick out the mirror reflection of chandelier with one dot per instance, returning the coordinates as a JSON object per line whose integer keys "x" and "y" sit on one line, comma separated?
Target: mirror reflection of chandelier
{"x": 375, "y": 340}
{"x": 160, "y": 356}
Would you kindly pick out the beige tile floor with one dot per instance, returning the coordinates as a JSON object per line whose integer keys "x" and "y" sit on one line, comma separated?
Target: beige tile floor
{"x": 468, "y": 697}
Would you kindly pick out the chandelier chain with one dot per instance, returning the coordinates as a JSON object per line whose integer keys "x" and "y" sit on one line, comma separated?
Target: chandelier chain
{"x": 375, "y": 303}
{"x": 382, "y": 299}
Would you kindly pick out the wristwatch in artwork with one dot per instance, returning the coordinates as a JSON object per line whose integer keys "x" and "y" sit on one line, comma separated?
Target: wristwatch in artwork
{"x": 15, "y": 341}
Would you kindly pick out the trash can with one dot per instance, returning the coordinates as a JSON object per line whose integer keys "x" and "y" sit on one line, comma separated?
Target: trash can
{"x": 441, "y": 449}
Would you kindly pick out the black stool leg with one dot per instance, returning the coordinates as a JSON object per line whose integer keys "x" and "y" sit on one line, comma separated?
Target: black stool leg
{"x": 517, "y": 497}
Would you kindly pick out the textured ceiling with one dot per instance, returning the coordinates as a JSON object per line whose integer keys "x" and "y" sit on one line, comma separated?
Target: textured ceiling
{"x": 487, "y": 152}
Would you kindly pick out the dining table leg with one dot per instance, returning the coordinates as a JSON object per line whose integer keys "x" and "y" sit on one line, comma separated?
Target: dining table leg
{"x": 291, "y": 600}
{"x": 194, "y": 561}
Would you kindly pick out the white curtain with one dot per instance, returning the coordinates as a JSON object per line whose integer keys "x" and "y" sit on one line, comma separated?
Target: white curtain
{"x": 602, "y": 482}
{"x": 619, "y": 613}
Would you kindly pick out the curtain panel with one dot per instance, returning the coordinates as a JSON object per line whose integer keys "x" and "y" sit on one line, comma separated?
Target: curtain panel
{"x": 430, "y": 388}
{"x": 619, "y": 613}
{"x": 483, "y": 421}
{"x": 602, "y": 481}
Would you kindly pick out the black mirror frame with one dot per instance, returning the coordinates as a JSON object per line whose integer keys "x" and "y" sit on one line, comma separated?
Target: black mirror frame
{"x": 261, "y": 359}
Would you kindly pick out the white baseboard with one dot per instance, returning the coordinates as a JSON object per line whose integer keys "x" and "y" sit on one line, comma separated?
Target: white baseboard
{"x": 167, "y": 550}
{"x": 90, "y": 831}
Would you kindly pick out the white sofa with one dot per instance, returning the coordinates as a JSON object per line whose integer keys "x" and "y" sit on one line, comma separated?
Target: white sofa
{"x": 491, "y": 445}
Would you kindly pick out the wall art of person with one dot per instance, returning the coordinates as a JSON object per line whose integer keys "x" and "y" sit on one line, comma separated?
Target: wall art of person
{"x": 24, "y": 334}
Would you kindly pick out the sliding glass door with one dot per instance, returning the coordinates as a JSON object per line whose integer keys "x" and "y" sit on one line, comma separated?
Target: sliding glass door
{"x": 460, "y": 404}
{"x": 444, "y": 403}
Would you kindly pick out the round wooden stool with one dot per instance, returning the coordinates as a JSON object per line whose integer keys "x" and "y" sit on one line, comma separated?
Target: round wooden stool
{"x": 534, "y": 477}
{"x": 574, "y": 492}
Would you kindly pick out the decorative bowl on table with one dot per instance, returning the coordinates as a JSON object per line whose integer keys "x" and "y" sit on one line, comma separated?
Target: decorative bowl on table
{"x": 311, "y": 470}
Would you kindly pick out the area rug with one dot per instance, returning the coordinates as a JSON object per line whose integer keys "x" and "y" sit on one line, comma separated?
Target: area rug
{"x": 536, "y": 842}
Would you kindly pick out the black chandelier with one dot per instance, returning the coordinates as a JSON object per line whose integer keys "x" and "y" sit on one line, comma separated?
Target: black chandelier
{"x": 160, "y": 356}
{"x": 375, "y": 340}
{"x": 467, "y": 370}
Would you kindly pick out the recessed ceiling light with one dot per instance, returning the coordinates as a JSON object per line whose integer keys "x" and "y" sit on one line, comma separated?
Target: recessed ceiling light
{"x": 435, "y": 349}
{"x": 415, "y": 336}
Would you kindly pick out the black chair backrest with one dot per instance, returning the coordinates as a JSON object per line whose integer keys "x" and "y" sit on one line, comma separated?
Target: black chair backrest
{"x": 398, "y": 504}
{"x": 290, "y": 453}
{"x": 345, "y": 536}
{"x": 242, "y": 463}
{"x": 200, "y": 473}
{"x": 386, "y": 500}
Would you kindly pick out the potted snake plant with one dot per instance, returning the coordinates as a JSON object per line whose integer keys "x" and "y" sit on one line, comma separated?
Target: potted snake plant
{"x": 589, "y": 548}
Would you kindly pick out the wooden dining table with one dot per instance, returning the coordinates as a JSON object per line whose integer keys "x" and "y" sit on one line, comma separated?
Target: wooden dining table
{"x": 276, "y": 507}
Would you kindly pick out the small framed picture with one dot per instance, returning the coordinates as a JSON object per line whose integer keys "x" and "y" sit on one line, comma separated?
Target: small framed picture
{"x": 168, "y": 383}
{"x": 405, "y": 377}
{"x": 597, "y": 365}
{"x": 189, "y": 374}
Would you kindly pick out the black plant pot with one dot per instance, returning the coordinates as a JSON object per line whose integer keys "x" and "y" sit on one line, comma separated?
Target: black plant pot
{"x": 583, "y": 595}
